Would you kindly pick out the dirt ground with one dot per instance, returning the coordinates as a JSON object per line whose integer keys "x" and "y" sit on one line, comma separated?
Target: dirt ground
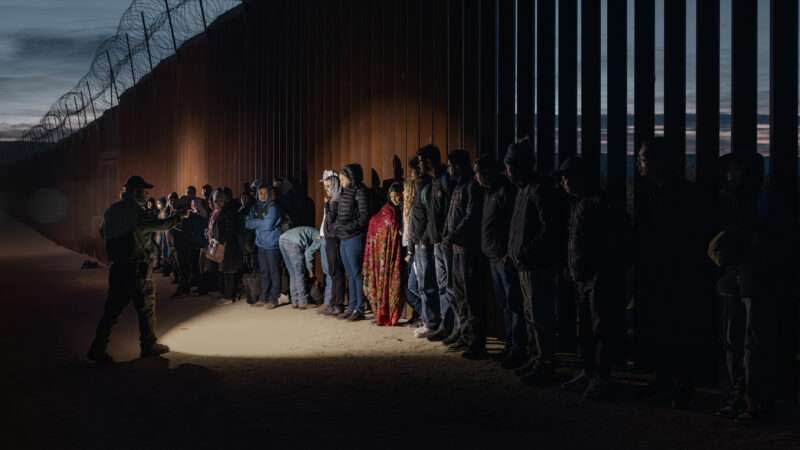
{"x": 244, "y": 377}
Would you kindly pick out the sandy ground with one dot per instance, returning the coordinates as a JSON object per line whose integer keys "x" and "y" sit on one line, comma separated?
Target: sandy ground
{"x": 244, "y": 377}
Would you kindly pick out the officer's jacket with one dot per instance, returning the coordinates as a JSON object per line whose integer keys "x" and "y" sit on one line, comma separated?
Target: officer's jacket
{"x": 127, "y": 229}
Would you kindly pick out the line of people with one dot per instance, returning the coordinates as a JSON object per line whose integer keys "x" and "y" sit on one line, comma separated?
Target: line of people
{"x": 534, "y": 237}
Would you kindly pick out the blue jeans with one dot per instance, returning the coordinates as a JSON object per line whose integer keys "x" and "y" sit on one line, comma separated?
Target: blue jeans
{"x": 323, "y": 253}
{"x": 294, "y": 260}
{"x": 269, "y": 266}
{"x": 412, "y": 287}
{"x": 352, "y": 251}
{"x": 426, "y": 284}
{"x": 505, "y": 281}
{"x": 443, "y": 260}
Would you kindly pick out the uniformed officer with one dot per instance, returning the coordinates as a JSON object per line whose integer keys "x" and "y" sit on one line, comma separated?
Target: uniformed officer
{"x": 127, "y": 230}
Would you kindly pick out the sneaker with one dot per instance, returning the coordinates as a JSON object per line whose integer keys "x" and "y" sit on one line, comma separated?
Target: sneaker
{"x": 422, "y": 332}
{"x": 154, "y": 350}
{"x": 579, "y": 383}
{"x": 323, "y": 310}
{"x": 513, "y": 361}
{"x": 599, "y": 389}
{"x": 355, "y": 316}
{"x": 458, "y": 346}
{"x": 225, "y": 301}
{"x": 438, "y": 335}
{"x": 333, "y": 311}
{"x": 454, "y": 337}
{"x": 344, "y": 315}
{"x": 475, "y": 354}
{"x": 99, "y": 356}
{"x": 540, "y": 375}
{"x": 271, "y": 305}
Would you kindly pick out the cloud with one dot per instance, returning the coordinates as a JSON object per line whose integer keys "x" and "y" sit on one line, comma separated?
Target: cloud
{"x": 13, "y": 131}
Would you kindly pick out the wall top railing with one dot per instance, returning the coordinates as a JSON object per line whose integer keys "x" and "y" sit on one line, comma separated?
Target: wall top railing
{"x": 148, "y": 32}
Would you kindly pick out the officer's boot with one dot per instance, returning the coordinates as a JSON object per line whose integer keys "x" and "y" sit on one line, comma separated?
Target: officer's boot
{"x": 99, "y": 355}
{"x": 154, "y": 349}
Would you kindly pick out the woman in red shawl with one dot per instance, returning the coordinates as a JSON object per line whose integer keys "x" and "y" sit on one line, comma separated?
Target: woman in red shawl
{"x": 382, "y": 257}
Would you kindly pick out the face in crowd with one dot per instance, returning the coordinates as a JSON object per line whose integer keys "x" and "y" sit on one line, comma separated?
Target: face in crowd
{"x": 263, "y": 194}
{"x": 395, "y": 198}
{"x": 484, "y": 176}
{"x": 345, "y": 180}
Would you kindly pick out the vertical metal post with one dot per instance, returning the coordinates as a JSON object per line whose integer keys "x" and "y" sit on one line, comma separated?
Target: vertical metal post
{"x": 546, "y": 88}
{"x": 113, "y": 80}
{"x": 707, "y": 143}
{"x": 745, "y": 76}
{"x": 77, "y": 111}
{"x": 147, "y": 41}
{"x": 590, "y": 87}
{"x": 171, "y": 29}
{"x": 130, "y": 57}
{"x": 91, "y": 100}
{"x": 567, "y": 79}
{"x": 203, "y": 13}
{"x": 617, "y": 115}
{"x": 83, "y": 108}
{"x": 675, "y": 81}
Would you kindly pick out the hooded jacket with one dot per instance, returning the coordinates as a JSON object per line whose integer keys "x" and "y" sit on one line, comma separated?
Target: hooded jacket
{"x": 265, "y": 218}
{"x": 352, "y": 209}
{"x": 227, "y": 228}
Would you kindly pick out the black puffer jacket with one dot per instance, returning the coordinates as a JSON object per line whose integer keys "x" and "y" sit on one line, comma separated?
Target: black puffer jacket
{"x": 533, "y": 238}
{"x": 227, "y": 230}
{"x": 352, "y": 211}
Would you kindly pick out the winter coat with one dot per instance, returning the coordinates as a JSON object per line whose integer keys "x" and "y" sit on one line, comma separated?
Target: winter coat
{"x": 438, "y": 204}
{"x": 462, "y": 226}
{"x": 265, "y": 218}
{"x": 227, "y": 230}
{"x": 352, "y": 211}
{"x": 533, "y": 237}
{"x": 419, "y": 212}
{"x": 498, "y": 205}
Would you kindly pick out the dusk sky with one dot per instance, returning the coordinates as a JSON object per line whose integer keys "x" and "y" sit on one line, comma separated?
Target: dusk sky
{"x": 46, "y": 46}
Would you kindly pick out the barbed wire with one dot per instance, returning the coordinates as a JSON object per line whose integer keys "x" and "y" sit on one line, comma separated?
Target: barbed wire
{"x": 148, "y": 32}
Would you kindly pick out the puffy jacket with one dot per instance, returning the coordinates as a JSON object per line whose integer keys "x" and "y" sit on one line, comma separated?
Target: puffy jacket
{"x": 587, "y": 238}
{"x": 462, "y": 226}
{"x": 352, "y": 211}
{"x": 417, "y": 229}
{"x": 533, "y": 238}
{"x": 265, "y": 218}
{"x": 498, "y": 205}
{"x": 438, "y": 204}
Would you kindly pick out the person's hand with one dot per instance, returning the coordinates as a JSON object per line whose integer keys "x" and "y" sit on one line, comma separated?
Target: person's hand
{"x": 409, "y": 257}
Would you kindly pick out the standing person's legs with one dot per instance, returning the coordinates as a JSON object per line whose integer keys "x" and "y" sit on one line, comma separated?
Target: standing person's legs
{"x": 510, "y": 284}
{"x": 459, "y": 293}
{"x": 336, "y": 268}
{"x": 121, "y": 283}
{"x": 328, "y": 289}
{"x": 412, "y": 287}
{"x": 442, "y": 256}
{"x": 760, "y": 363}
{"x": 273, "y": 258}
{"x": 426, "y": 284}
{"x": 184, "y": 259}
{"x": 352, "y": 251}
{"x": 733, "y": 328}
{"x": 195, "y": 277}
{"x": 538, "y": 292}
{"x": 144, "y": 300}
{"x": 229, "y": 286}
{"x": 264, "y": 274}
{"x": 474, "y": 328}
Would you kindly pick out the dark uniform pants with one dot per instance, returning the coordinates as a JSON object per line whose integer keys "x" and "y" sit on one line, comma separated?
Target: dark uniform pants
{"x": 129, "y": 282}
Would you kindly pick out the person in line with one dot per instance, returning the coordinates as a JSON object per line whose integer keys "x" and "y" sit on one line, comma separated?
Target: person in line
{"x": 749, "y": 317}
{"x": 461, "y": 227}
{"x": 207, "y": 191}
{"x": 266, "y": 218}
{"x": 350, "y": 226}
{"x": 127, "y": 230}
{"x": 227, "y": 228}
{"x": 533, "y": 247}
{"x": 332, "y": 264}
{"x": 409, "y": 273}
{"x": 187, "y": 252}
{"x": 421, "y": 250}
{"x": 498, "y": 205}
{"x": 587, "y": 268}
{"x": 382, "y": 260}
{"x": 210, "y": 278}
{"x": 438, "y": 203}
{"x": 671, "y": 233}
{"x": 298, "y": 247}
